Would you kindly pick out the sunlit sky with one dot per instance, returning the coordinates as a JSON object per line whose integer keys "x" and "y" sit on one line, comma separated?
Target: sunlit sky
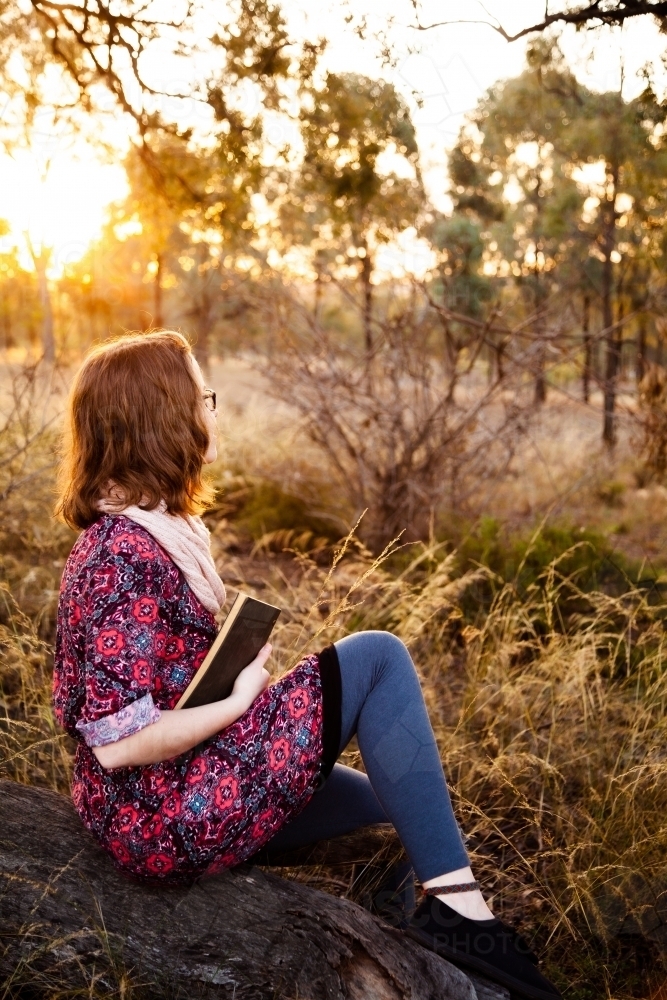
{"x": 58, "y": 190}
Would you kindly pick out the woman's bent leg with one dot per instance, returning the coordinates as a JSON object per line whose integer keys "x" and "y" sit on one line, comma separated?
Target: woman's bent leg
{"x": 345, "y": 802}
{"x": 383, "y": 703}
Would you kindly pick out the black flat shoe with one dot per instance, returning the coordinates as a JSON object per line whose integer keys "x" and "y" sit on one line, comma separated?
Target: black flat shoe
{"x": 489, "y": 947}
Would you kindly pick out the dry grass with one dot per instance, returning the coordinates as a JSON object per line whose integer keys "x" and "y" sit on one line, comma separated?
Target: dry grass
{"x": 548, "y": 706}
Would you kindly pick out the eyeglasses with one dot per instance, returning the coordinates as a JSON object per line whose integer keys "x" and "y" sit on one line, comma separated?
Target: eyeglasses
{"x": 210, "y": 400}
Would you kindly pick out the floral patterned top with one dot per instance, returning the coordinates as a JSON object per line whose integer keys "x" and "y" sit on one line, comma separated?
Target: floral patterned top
{"x": 130, "y": 636}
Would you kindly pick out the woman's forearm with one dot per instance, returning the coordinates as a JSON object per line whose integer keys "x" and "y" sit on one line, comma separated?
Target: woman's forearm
{"x": 174, "y": 733}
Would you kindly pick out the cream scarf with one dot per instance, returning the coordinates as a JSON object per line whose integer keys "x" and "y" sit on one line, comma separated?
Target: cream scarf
{"x": 185, "y": 539}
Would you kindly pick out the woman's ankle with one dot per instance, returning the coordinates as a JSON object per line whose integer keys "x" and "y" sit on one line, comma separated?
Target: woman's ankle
{"x": 469, "y": 904}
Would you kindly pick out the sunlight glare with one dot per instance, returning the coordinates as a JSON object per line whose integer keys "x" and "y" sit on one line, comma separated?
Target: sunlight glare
{"x": 62, "y": 212}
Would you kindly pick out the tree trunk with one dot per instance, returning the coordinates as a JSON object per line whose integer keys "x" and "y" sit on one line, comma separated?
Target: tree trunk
{"x": 158, "y": 320}
{"x": 319, "y": 269}
{"x": 586, "y": 374}
{"x": 67, "y": 919}
{"x": 610, "y": 339}
{"x": 614, "y": 345}
{"x": 658, "y": 347}
{"x": 205, "y": 296}
{"x": 618, "y": 337}
{"x": 640, "y": 364}
{"x": 366, "y": 271}
{"x": 40, "y": 262}
{"x": 451, "y": 359}
{"x": 499, "y": 354}
{"x": 540, "y": 357}
{"x": 8, "y": 336}
{"x": 539, "y": 347}
{"x": 48, "y": 338}
{"x": 203, "y": 316}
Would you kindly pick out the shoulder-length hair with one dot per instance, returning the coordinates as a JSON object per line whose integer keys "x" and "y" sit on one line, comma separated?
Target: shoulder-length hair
{"x": 135, "y": 420}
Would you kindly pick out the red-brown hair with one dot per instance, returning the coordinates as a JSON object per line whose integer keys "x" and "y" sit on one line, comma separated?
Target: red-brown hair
{"x": 136, "y": 420}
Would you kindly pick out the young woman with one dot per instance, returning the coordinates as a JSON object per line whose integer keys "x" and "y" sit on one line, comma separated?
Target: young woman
{"x": 173, "y": 795}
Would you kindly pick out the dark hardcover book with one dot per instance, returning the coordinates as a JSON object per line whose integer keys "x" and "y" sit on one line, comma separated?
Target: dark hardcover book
{"x": 245, "y": 630}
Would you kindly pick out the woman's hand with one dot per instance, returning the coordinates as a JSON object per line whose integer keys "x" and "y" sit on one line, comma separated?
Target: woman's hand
{"x": 177, "y": 731}
{"x": 253, "y": 679}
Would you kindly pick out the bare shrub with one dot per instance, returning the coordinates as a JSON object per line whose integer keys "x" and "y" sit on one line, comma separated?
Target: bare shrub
{"x": 407, "y": 428}
{"x": 27, "y": 417}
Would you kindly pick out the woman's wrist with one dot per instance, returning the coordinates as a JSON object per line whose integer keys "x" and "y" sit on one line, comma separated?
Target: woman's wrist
{"x": 234, "y": 703}
{"x": 234, "y": 706}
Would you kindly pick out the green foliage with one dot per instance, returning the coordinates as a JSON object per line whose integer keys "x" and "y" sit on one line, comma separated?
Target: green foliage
{"x": 611, "y": 492}
{"x": 260, "y": 508}
{"x": 258, "y": 48}
{"x": 346, "y": 125}
{"x": 268, "y": 508}
{"x": 584, "y": 558}
{"x": 462, "y": 288}
{"x": 470, "y": 176}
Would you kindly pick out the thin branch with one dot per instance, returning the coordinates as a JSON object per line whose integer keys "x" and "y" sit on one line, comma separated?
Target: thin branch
{"x": 588, "y": 15}
{"x": 86, "y": 39}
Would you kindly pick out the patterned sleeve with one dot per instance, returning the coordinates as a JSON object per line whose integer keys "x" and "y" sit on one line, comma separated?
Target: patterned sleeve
{"x": 130, "y": 719}
{"x": 123, "y": 631}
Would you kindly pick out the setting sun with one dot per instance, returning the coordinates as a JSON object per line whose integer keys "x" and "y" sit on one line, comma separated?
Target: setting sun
{"x": 61, "y": 206}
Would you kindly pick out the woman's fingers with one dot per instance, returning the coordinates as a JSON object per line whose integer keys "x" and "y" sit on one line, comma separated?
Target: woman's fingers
{"x": 259, "y": 661}
{"x": 264, "y": 654}
{"x": 254, "y": 678}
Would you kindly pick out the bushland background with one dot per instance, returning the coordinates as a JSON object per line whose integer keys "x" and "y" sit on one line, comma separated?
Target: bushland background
{"x": 450, "y": 422}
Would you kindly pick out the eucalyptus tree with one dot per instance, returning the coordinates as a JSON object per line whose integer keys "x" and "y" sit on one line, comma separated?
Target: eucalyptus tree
{"x": 185, "y": 225}
{"x": 539, "y": 138}
{"x": 40, "y": 123}
{"x": 20, "y": 310}
{"x": 347, "y": 124}
{"x": 303, "y": 223}
{"x": 624, "y": 139}
{"x": 460, "y": 286}
{"x": 508, "y": 169}
{"x": 194, "y": 194}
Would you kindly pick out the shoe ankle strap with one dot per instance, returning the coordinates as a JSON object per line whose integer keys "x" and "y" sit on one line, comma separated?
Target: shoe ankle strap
{"x": 439, "y": 890}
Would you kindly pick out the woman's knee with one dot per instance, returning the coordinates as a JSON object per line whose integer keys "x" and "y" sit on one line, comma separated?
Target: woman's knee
{"x": 390, "y": 647}
{"x": 374, "y": 648}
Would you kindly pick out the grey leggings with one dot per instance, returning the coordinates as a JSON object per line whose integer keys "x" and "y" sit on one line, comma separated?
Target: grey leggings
{"x": 382, "y": 703}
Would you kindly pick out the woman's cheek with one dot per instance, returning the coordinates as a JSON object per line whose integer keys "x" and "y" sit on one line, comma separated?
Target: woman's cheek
{"x": 212, "y": 451}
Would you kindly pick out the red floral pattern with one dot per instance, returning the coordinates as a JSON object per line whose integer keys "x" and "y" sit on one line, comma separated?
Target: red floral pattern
{"x": 298, "y": 703}
{"x": 145, "y": 609}
{"x": 129, "y": 626}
